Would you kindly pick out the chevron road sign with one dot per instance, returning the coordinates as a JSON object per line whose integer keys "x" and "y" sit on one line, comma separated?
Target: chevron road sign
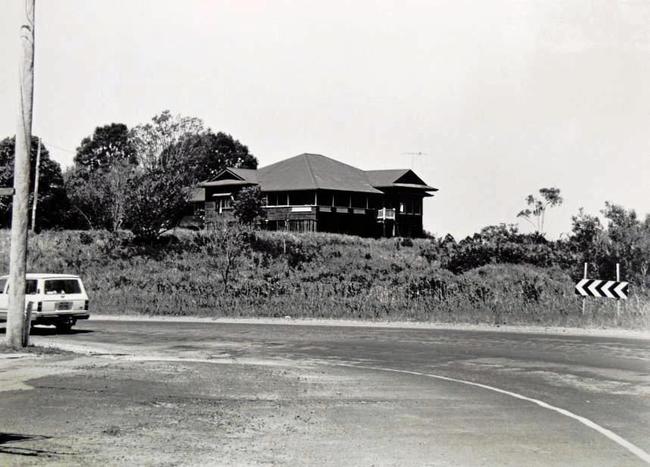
{"x": 598, "y": 288}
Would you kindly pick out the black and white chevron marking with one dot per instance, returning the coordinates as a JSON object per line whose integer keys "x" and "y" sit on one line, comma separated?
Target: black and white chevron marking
{"x": 598, "y": 288}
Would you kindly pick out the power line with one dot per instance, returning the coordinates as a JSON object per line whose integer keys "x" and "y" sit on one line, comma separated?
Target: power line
{"x": 49, "y": 144}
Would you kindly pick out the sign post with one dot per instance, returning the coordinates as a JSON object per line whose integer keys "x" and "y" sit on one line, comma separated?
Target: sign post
{"x": 584, "y": 299}
{"x": 618, "y": 278}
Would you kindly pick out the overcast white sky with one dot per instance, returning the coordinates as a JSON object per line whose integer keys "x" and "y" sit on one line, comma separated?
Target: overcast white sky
{"x": 504, "y": 96}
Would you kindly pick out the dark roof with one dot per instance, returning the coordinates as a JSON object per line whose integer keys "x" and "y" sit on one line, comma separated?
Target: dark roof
{"x": 384, "y": 177}
{"x": 399, "y": 178}
{"x": 313, "y": 171}
{"x": 316, "y": 172}
{"x": 250, "y": 175}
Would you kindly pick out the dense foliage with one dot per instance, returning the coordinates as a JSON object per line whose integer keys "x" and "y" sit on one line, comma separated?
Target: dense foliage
{"x": 206, "y": 154}
{"x": 52, "y": 200}
{"x": 245, "y": 273}
{"x": 248, "y": 206}
{"x": 97, "y": 184}
{"x": 108, "y": 145}
{"x": 155, "y": 202}
{"x": 140, "y": 178}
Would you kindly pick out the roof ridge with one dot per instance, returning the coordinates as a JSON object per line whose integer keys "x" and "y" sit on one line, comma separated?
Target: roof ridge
{"x": 310, "y": 170}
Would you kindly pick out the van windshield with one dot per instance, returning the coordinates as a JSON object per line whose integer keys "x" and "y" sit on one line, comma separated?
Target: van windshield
{"x": 62, "y": 286}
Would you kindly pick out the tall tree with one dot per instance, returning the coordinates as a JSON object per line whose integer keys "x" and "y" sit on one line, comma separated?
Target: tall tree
{"x": 158, "y": 193}
{"x": 627, "y": 241}
{"x": 97, "y": 183}
{"x": 52, "y": 200}
{"x": 108, "y": 145}
{"x": 155, "y": 142}
{"x": 156, "y": 201}
{"x": 207, "y": 153}
{"x": 536, "y": 212}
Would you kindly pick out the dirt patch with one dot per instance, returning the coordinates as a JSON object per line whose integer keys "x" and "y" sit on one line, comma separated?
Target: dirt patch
{"x": 10, "y": 352}
{"x": 92, "y": 410}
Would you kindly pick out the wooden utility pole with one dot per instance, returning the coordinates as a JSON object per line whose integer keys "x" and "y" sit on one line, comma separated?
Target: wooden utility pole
{"x": 16, "y": 335}
{"x": 37, "y": 171}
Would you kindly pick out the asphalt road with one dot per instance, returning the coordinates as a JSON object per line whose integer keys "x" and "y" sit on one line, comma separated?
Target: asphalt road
{"x": 425, "y": 397}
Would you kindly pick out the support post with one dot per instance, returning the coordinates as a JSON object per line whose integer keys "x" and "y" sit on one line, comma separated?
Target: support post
{"x": 584, "y": 299}
{"x": 618, "y": 279}
{"x": 20, "y": 207}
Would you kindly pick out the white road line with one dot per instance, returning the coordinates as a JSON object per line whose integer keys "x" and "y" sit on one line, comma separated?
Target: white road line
{"x": 637, "y": 451}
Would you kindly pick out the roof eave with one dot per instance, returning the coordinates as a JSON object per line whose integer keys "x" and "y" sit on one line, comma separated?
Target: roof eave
{"x": 408, "y": 185}
{"x": 226, "y": 183}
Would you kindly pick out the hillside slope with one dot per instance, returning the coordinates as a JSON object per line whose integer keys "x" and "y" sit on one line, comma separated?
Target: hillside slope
{"x": 314, "y": 275}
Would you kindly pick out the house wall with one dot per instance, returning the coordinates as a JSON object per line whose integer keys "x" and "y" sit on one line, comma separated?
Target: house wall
{"x": 330, "y": 211}
{"x": 408, "y": 212}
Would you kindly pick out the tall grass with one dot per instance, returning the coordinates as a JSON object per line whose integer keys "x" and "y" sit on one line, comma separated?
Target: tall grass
{"x": 317, "y": 275}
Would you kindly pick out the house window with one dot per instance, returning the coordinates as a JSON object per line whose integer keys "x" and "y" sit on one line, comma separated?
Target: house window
{"x": 299, "y": 198}
{"x": 223, "y": 203}
{"x": 341, "y": 199}
{"x": 358, "y": 200}
{"x": 402, "y": 208}
{"x": 375, "y": 202}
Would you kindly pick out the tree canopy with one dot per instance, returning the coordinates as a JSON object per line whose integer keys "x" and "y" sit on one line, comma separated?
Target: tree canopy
{"x": 156, "y": 143}
{"x": 52, "y": 200}
{"x": 536, "y": 212}
{"x": 109, "y": 145}
{"x": 96, "y": 185}
{"x": 205, "y": 154}
{"x": 139, "y": 178}
{"x": 248, "y": 205}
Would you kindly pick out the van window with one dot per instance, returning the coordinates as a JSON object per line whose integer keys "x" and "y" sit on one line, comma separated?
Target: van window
{"x": 62, "y": 286}
{"x": 30, "y": 287}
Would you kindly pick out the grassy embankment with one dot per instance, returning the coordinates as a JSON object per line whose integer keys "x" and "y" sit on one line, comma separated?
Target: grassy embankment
{"x": 318, "y": 276}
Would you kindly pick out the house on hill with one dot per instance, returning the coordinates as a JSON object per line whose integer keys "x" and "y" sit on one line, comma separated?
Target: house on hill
{"x": 314, "y": 193}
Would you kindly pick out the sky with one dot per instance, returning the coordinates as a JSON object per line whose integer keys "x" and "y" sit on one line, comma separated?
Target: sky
{"x": 502, "y": 97}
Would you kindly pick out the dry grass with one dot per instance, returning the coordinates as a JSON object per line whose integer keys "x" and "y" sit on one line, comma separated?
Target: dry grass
{"x": 318, "y": 275}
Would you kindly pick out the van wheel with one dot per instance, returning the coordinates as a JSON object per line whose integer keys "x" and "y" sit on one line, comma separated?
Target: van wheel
{"x": 65, "y": 326}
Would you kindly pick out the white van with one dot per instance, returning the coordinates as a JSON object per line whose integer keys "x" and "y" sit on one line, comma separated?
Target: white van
{"x": 56, "y": 299}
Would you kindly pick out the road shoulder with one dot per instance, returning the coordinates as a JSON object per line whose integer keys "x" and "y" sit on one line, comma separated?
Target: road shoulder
{"x": 549, "y": 330}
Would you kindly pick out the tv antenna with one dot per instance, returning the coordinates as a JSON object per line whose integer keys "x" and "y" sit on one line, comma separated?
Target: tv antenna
{"x": 413, "y": 154}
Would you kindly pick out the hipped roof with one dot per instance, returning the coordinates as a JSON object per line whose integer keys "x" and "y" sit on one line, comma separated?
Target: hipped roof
{"x": 317, "y": 172}
{"x": 313, "y": 172}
